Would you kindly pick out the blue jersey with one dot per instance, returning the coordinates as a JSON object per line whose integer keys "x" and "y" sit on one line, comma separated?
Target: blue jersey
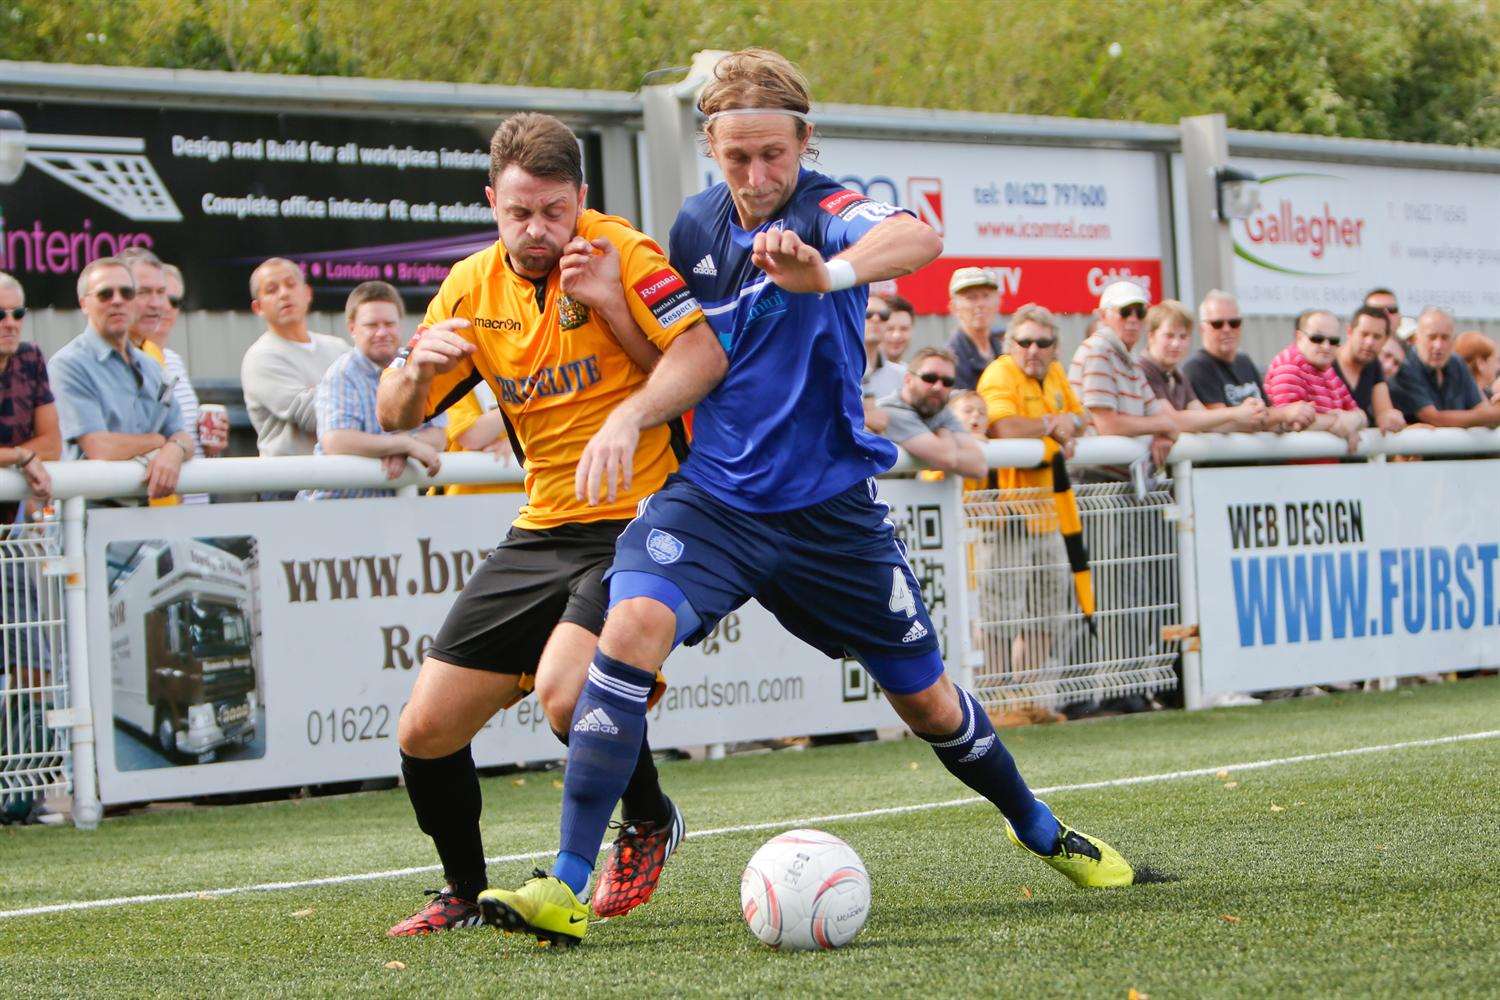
{"x": 785, "y": 429}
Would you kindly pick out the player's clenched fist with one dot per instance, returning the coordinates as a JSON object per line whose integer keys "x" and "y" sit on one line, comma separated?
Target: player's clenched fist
{"x": 439, "y": 347}
{"x": 789, "y": 262}
{"x": 590, "y": 272}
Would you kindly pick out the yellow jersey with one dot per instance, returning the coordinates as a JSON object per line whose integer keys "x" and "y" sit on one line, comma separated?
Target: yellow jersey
{"x": 556, "y": 368}
{"x": 461, "y": 416}
{"x": 1010, "y": 392}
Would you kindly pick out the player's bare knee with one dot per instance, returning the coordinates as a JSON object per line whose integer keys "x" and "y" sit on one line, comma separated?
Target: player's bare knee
{"x": 422, "y": 733}
{"x": 639, "y": 632}
{"x": 934, "y": 712}
{"x": 557, "y": 700}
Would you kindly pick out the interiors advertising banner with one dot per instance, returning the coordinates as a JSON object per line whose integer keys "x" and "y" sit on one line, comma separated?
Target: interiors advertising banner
{"x": 350, "y": 199}
{"x": 1053, "y": 225}
{"x": 1326, "y": 233}
{"x": 243, "y": 646}
{"x": 1330, "y": 573}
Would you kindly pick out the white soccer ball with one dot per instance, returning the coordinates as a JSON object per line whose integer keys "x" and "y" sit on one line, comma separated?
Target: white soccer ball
{"x": 805, "y": 890}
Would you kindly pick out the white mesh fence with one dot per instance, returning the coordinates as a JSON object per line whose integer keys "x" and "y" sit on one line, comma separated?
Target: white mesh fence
{"x": 1038, "y": 649}
{"x": 34, "y": 756}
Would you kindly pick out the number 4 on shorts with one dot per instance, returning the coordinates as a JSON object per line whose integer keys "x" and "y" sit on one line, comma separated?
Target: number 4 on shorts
{"x": 901, "y": 599}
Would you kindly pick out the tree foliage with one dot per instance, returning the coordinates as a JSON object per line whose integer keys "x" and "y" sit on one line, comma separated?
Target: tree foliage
{"x": 1419, "y": 70}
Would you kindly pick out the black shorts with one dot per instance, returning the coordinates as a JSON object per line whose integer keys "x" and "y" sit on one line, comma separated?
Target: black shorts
{"x": 531, "y": 582}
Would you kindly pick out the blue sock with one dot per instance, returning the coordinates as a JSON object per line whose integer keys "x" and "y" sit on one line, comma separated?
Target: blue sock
{"x": 573, "y": 869}
{"x": 609, "y": 725}
{"x": 974, "y": 755}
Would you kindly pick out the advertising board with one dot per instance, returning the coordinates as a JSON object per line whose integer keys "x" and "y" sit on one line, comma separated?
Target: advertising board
{"x": 242, "y": 646}
{"x": 1331, "y": 573}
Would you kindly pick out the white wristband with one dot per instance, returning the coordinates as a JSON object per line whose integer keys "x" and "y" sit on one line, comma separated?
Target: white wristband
{"x": 840, "y": 275}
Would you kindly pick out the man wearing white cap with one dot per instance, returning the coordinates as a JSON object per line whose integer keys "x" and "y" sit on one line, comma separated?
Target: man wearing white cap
{"x": 1109, "y": 381}
{"x": 974, "y": 300}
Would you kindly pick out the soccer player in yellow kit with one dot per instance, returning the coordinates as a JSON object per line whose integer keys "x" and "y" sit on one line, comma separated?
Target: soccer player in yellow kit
{"x": 564, "y": 317}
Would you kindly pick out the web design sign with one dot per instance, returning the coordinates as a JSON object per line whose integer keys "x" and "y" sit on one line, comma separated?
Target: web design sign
{"x": 350, "y": 199}
{"x": 1330, "y": 573}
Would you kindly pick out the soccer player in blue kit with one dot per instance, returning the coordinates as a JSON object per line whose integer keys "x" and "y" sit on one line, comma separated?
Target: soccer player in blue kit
{"x": 778, "y": 499}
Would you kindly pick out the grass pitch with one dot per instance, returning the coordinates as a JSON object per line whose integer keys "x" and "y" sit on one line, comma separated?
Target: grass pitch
{"x": 1354, "y": 875}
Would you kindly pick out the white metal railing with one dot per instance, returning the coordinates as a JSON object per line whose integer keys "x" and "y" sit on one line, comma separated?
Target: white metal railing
{"x": 1036, "y": 646}
{"x": 34, "y": 697}
{"x": 1141, "y": 547}
{"x": 104, "y": 480}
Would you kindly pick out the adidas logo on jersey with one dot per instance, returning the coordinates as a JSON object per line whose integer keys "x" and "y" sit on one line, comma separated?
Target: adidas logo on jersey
{"x": 917, "y": 631}
{"x": 597, "y": 721}
{"x": 979, "y": 749}
{"x": 706, "y": 267}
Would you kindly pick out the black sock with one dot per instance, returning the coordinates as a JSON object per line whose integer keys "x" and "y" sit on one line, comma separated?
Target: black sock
{"x": 445, "y": 795}
{"x": 643, "y": 800}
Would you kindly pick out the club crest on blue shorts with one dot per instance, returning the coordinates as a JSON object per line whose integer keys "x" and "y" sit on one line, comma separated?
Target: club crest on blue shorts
{"x": 663, "y": 547}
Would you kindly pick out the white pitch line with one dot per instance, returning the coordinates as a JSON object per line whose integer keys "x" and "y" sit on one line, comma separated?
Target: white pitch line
{"x": 1142, "y": 779}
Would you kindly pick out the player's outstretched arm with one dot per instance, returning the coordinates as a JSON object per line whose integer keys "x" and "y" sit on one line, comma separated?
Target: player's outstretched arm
{"x": 691, "y": 366}
{"x": 898, "y": 245}
{"x": 401, "y": 401}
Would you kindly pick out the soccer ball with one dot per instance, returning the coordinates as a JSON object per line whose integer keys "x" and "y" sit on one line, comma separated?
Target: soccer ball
{"x": 805, "y": 890}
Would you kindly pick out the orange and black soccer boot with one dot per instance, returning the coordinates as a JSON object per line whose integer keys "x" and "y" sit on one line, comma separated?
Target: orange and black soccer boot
{"x": 444, "y": 912}
{"x": 634, "y": 865}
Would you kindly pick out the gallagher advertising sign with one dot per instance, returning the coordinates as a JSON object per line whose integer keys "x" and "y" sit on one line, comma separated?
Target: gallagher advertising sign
{"x": 1326, "y": 233}
{"x": 1053, "y": 226}
{"x": 350, "y": 199}
{"x": 1331, "y": 573}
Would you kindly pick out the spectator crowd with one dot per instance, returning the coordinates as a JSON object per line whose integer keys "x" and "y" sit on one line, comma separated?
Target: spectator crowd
{"x": 118, "y": 391}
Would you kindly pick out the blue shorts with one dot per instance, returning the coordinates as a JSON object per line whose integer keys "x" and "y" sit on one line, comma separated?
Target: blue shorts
{"x": 834, "y": 574}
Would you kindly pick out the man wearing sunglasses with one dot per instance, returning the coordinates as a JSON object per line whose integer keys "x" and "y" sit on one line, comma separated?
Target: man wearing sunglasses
{"x": 1222, "y": 376}
{"x": 28, "y": 414}
{"x": 1303, "y": 373}
{"x": 918, "y": 418}
{"x": 1384, "y": 300}
{"x": 114, "y": 401}
{"x": 882, "y": 378}
{"x": 1111, "y": 384}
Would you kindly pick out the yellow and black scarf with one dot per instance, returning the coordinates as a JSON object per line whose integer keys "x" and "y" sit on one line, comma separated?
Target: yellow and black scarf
{"x": 1071, "y": 527}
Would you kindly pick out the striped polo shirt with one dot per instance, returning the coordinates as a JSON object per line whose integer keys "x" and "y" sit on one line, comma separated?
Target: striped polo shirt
{"x": 1106, "y": 377}
{"x": 1292, "y": 378}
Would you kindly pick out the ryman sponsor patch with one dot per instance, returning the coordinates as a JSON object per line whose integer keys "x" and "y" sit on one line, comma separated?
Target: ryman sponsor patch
{"x": 850, "y": 205}
{"x": 666, "y": 295}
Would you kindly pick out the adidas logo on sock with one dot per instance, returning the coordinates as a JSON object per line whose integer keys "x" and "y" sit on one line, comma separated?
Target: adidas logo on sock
{"x": 706, "y": 267}
{"x": 917, "y": 631}
{"x": 597, "y": 721}
{"x": 979, "y": 749}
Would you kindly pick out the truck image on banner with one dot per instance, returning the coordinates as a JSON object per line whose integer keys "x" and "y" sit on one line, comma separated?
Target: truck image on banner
{"x": 182, "y": 657}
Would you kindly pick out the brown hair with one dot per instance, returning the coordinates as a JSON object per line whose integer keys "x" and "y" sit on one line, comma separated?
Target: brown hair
{"x": 900, "y": 305}
{"x": 538, "y": 144}
{"x": 372, "y": 291}
{"x": 757, "y": 78}
{"x": 932, "y": 352}
{"x": 1168, "y": 310}
{"x": 1033, "y": 313}
{"x": 1473, "y": 347}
